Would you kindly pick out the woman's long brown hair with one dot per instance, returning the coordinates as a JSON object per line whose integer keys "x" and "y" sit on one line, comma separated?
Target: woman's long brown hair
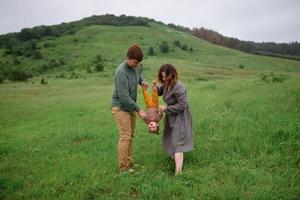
{"x": 171, "y": 73}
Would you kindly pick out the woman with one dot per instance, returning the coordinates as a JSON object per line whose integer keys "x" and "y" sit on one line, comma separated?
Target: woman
{"x": 178, "y": 130}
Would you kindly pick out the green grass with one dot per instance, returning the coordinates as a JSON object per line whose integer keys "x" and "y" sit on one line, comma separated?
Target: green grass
{"x": 59, "y": 140}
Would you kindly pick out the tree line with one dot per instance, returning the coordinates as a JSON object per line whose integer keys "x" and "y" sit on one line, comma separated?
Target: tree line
{"x": 12, "y": 41}
{"x": 284, "y": 50}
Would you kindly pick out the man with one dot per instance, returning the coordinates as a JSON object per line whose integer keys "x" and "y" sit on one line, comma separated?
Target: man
{"x": 124, "y": 107}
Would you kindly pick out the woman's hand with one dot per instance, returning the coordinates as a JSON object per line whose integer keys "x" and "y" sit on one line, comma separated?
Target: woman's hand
{"x": 162, "y": 108}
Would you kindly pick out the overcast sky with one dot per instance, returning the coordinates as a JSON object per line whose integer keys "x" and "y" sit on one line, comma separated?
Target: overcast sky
{"x": 251, "y": 20}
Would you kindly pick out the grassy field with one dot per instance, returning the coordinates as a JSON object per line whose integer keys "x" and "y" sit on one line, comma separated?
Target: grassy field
{"x": 59, "y": 141}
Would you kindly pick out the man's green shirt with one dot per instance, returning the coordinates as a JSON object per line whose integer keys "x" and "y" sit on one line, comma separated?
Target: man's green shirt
{"x": 126, "y": 85}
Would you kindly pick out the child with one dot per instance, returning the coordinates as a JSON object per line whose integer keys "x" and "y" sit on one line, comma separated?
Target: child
{"x": 153, "y": 115}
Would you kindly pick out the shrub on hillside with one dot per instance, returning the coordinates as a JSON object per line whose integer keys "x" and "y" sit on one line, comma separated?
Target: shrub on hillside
{"x": 98, "y": 58}
{"x": 37, "y": 54}
{"x": 183, "y": 47}
{"x": 276, "y": 78}
{"x": 279, "y": 78}
{"x": 99, "y": 63}
{"x": 2, "y": 78}
{"x": 33, "y": 44}
{"x": 4, "y": 72}
{"x": 62, "y": 61}
{"x": 99, "y": 67}
{"x": 89, "y": 70}
{"x": 264, "y": 78}
{"x": 28, "y": 49}
{"x": 19, "y": 74}
{"x": 16, "y": 61}
{"x": 151, "y": 51}
{"x": 164, "y": 47}
{"x": 62, "y": 75}
{"x": 177, "y": 43}
{"x": 43, "y": 81}
{"x": 48, "y": 44}
{"x": 74, "y": 75}
{"x": 53, "y": 63}
{"x": 50, "y": 65}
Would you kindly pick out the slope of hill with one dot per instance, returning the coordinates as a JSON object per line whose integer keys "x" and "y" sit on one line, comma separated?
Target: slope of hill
{"x": 78, "y": 52}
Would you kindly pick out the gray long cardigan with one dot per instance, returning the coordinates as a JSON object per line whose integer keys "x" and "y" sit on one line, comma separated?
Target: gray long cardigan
{"x": 178, "y": 129}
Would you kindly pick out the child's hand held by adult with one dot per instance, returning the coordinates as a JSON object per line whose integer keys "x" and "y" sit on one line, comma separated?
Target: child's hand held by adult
{"x": 162, "y": 108}
{"x": 145, "y": 85}
{"x": 142, "y": 114}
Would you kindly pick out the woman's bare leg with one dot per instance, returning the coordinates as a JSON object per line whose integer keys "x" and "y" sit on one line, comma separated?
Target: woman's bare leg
{"x": 178, "y": 162}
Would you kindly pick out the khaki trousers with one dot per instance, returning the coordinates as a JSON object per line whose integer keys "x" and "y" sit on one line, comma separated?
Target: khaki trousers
{"x": 125, "y": 122}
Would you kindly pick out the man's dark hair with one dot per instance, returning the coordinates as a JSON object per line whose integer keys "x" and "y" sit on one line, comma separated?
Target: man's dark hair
{"x": 135, "y": 52}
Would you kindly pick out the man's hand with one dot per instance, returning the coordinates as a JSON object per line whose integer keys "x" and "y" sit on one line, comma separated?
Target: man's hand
{"x": 144, "y": 85}
{"x": 142, "y": 114}
{"x": 162, "y": 108}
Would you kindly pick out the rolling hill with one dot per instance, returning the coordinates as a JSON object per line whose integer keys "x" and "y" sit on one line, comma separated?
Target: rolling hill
{"x": 77, "y": 52}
